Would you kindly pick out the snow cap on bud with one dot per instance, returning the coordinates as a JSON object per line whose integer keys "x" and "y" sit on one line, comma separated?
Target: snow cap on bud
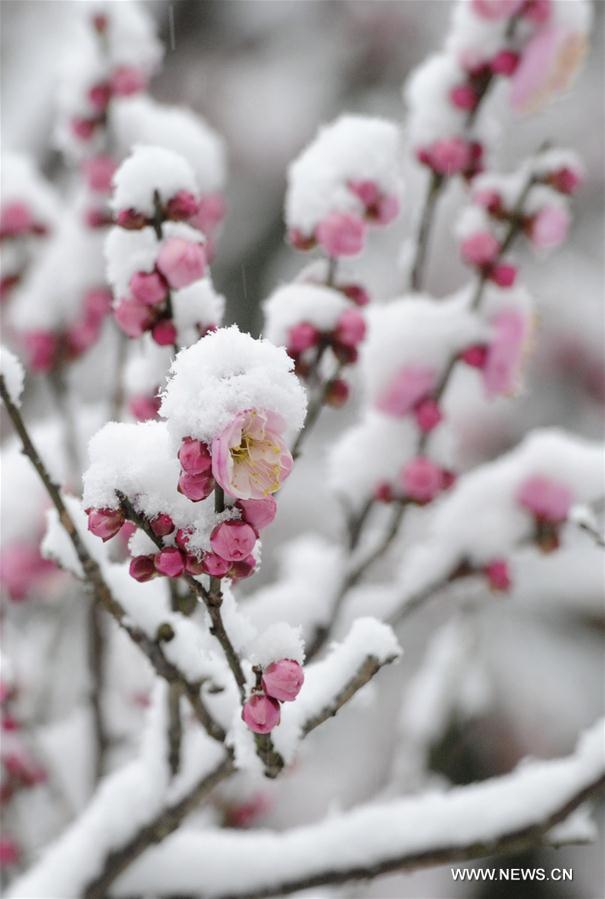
{"x": 258, "y": 513}
{"x": 170, "y": 562}
{"x": 261, "y": 713}
{"x": 181, "y": 261}
{"x": 341, "y": 234}
{"x": 233, "y": 540}
{"x": 142, "y": 568}
{"x": 282, "y": 680}
{"x": 105, "y": 523}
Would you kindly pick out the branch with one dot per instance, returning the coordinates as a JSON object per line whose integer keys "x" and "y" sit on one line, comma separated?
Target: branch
{"x": 424, "y": 229}
{"x": 94, "y": 577}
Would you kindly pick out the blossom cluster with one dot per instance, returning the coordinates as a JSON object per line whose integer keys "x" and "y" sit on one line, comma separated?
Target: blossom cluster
{"x": 280, "y": 681}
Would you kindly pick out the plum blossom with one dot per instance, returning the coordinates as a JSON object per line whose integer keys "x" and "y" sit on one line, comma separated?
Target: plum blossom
{"x": 547, "y": 66}
{"x": 411, "y": 384}
{"x": 261, "y": 713}
{"x": 546, "y": 498}
{"x": 505, "y": 352}
{"x": 283, "y": 680}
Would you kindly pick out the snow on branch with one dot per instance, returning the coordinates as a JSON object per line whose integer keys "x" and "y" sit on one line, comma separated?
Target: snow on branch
{"x": 504, "y": 814}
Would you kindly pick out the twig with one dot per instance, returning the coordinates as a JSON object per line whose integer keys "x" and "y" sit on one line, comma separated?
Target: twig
{"x": 175, "y": 728}
{"x": 424, "y": 229}
{"x": 96, "y": 667}
{"x": 314, "y": 410}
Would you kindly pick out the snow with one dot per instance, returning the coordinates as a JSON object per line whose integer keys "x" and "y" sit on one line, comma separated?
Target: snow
{"x": 224, "y": 373}
{"x": 127, "y": 252}
{"x": 146, "y": 367}
{"x": 431, "y": 116}
{"x": 22, "y": 183}
{"x": 278, "y": 641}
{"x": 149, "y": 169}
{"x": 301, "y": 302}
{"x": 144, "y": 120}
{"x": 13, "y": 374}
{"x": 199, "y": 304}
{"x": 352, "y": 148}
{"x": 229, "y": 863}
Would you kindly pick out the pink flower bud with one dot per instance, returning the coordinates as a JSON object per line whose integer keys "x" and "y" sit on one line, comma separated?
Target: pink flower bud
{"x": 301, "y": 337}
{"x": 261, "y": 713}
{"x": 489, "y": 199}
{"x": 548, "y": 229}
{"x": 83, "y": 128}
{"x": 367, "y": 191}
{"x": 98, "y": 172}
{"x": 496, "y": 9}
{"x": 357, "y": 293}
{"x": 127, "y": 80}
{"x": 547, "y": 499}
{"x": 215, "y": 565}
{"x": 233, "y": 540}
{"x": 164, "y": 333}
{"x": 105, "y": 523}
{"x": 428, "y": 415}
{"x": 194, "y": 565}
{"x": 142, "y": 568}
{"x": 181, "y": 261}
{"x": 475, "y": 356}
{"x": 80, "y": 337}
{"x": 169, "y": 562}
{"x": 301, "y": 241}
{"x": 421, "y": 479}
{"x": 386, "y": 210}
{"x": 566, "y": 180}
{"x": 99, "y": 22}
{"x": 350, "y": 328}
{"x": 10, "y": 853}
{"x": 210, "y": 213}
{"x": 463, "y": 96}
{"x": 504, "y": 63}
{"x": 341, "y": 234}
{"x": 383, "y": 493}
{"x": 480, "y": 248}
{"x": 162, "y": 525}
{"x": 144, "y": 408}
{"x": 498, "y": 575}
{"x": 449, "y": 156}
{"x": 99, "y": 96}
{"x": 258, "y": 513}
{"x": 133, "y": 318}
{"x": 194, "y": 456}
{"x": 408, "y": 386}
{"x": 282, "y": 680}
{"x": 503, "y": 274}
{"x": 15, "y": 219}
{"x": 41, "y": 349}
{"x": 97, "y": 303}
{"x": 195, "y": 487}
{"x": 130, "y": 219}
{"x": 242, "y": 569}
{"x": 337, "y": 393}
{"x": 148, "y": 288}
{"x": 182, "y": 206}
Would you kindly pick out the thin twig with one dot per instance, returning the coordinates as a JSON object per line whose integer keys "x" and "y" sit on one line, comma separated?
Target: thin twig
{"x": 424, "y": 230}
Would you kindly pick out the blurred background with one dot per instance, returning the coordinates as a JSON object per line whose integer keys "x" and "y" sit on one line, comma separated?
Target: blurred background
{"x": 266, "y": 74}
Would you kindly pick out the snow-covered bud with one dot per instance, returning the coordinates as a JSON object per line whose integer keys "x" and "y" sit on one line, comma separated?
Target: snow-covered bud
{"x": 283, "y": 680}
{"x": 105, "y": 523}
{"x": 169, "y": 562}
{"x": 181, "y": 261}
{"x": 130, "y": 219}
{"x": 480, "y": 249}
{"x": 261, "y": 713}
{"x": 566, "y": 180}
{"x": 233, "y": 540}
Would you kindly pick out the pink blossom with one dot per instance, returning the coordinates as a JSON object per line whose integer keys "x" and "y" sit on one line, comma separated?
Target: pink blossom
{"x": 215, "y": 565}
{"x": 127, "y": 80}
{"x": 164, "y": 333}
{"x": 194, "y": 456}
{"x": 504, "y": 63}
{"x": 182, "y": 206}
{"x": 41, "y": 349}
{"x": 105, "y": 523}
{"x": 261, "y": 713}
{"x": 449, "y": 156}
{"x": 503, "y": 274}
{"x": 21, "y": 566}
{"x": 341, "y": 234}
{"x": 259, "y": 513}
{"x": 505, "y": 352}
{"x": 282, "y": 680}
{"x": 496, "y": 9}
{"x": 337, "y": 393}
{"x": 498, "y": 575}
{"x": 566, "y": 180}
{"x": 170, "y": 562}
{"x": 367, "y": 191}
{"x": 300, "y": 240}
{"x": 547, "y": 499}
{"x": 421, "y": 479}
{"x": 350, "y": 328}
{"x": 133, "y": 317}
{"x": 142, "y": 568}
{"x": 427, "y": 414}
{"x": 386, "y": 210}
{"x": 99, "y": 171}
{"x": 242, "y": 569}
{"x": 99, "y": 96}
{"x": 244, "y": 814}
{"x": 162, "y": 525}
{"x": 302, "y": 337}
{"x": 547, "y": 66}
{"x": 148, "y": 288}
{"x": 250, "y": 459}
{"x": 144, "y": 408}
{"x": 549, "y": 227}
{"x": 80, "y": 337}
{"x": 10, "y": 853}
{"x": 488, "y": 199}
{"x": 131, "y": 219}
{"x": 356, "y": 292}
{"x": 181, "y": 261}
{"x": 463, "y": 96}
{"x": 233, "y": 540}
{"x": 195, "y": 487}
{"x": 15, "y": 218}
{"x": 97, "y": 303}
{"x": 480, "y": 248}
{"x": 83, "y": 128}
{"x": 410, "y": 384}
{"x": 210, "y": 213}
{"x": 475, "y": 356}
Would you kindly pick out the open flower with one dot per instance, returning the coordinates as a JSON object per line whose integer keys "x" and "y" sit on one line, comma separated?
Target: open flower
{"x": 250, "y": 459}
{"x": 505, "y": 353}
{"x": 547, "y": 67}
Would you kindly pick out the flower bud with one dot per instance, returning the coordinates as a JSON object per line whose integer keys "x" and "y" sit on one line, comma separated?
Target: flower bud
{"x": 148, "y": 288}
{"x": 242, "y": 569}
{"x": 475, "y": 356}
{"x": 357, "y": 293}
{"x": 195, "y": 487}
{"x": 181, "y": 261}
{"x": 105, "y": 523}
{"x": 162, "y": 525}
{"x": 337, "y": 393}
{"x": 98, "y": 172}
{"x": 427, "y": 414}
{"x": 350, "y": 328}
{"x": 127, "y": 80}
{"x": 422, "y": 480}
{"x": 41, "y": 349}
{"x": 133, "y": 318}
{"x": 142, "y": 568}
{"x": 215, "y": 565}
{"x": 282, "y": 680}
{"x": 463, "y": 96}
{"x": 480, "y": 248}
{"x": 547, "y": 499}
{"x": 194, "y": 456}
{"x": 233, "y": 540}
{"x": 504, "y": 63}
{"x": 341, "y": 234}
{"x": 261, "y": 713}
{"x": 498, "y": 575}
{"x": 301, "y": 241}
{"x": 164, "y": 333}
{"x": 302, "y": 337}
{"x": 182, "y": 206}
{"x": 503, "y": 274}
{"x": 130, "y": 219}
{"x": 169, "y": 562}
{"x": 258, "y": 513}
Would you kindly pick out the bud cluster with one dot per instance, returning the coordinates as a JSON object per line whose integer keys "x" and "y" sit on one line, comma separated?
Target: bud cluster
{"x": 279, "y": 682}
